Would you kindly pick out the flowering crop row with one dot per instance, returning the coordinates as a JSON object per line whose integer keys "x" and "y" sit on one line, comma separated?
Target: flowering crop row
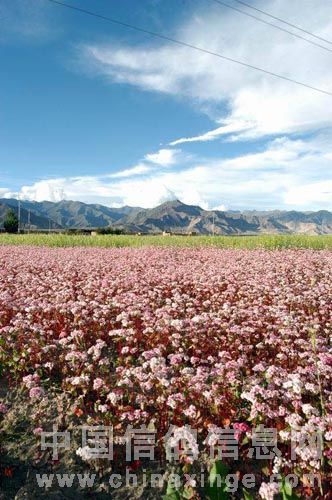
{"x": 199, "y": 337}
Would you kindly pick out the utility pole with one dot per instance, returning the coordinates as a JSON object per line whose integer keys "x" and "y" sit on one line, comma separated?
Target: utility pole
{"x": 19, "y": 215}
{"x": 29, "y": 220}
{"x": 213, "y": 218}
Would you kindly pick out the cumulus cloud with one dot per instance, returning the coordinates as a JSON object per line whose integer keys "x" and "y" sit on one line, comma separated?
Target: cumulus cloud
{"x": 286, "y": 174}
{"x": 264, "y": 104}
{"x": 151, "y": 161}
{"x": 164, "y": 157}
{"x": 4, "y": 192}
{"x": 221, "y": 208}
{"x": 312, "y": 192}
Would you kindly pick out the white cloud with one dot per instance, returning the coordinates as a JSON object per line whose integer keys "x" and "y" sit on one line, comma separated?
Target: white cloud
{"x": 3, "y": 192}
{"x": 288, "y": 174}
{"x": 264, "y": 104}
{"x": 221, "y": 208}
{"x": 310, "y": 193}
{"x": 50, "y": 189}
{"x": 164, "y": 157}
{"x": 130, "y": 172}
{"x": 211, "y": 135}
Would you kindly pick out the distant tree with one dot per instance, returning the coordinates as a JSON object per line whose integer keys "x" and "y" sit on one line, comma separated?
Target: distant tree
{"x": 11, "y": 222}
{"x": 109, "y": 230}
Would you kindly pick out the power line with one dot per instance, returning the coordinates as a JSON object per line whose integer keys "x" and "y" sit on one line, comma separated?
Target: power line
{"x": 189, "y": 45}
{"x": 283, "y": 21}
{"x": 270, "y": 24}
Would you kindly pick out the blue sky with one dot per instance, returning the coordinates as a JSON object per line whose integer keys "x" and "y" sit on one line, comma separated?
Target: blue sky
{"x": 94, "y": 112}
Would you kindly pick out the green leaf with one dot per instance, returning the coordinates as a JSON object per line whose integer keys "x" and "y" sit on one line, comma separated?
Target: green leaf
{"x": 287, "y": 491}
{"x": 216, "y": 488}
{"x": 171, "y": 492}
{"x": 245, "y": 440}
{"x": 187, "y": 493}
{"x": 247, "y": 495}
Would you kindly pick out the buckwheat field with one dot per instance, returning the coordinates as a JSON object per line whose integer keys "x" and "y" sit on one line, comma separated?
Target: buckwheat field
{"x": 201, "y": 339}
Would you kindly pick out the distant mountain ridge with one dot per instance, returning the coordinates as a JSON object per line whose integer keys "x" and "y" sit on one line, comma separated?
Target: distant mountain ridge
{"x": 66, "y": 214}
{"x": 171, "y": 216}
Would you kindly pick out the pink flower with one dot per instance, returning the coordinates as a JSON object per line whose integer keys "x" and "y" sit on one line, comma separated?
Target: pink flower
{"x": 3, "y": 408}
{"x": 37, "y": 431}
{"x": 240, "y": 428}
{"x": 36, "y": 393}
{"x": 175, "y": 359}
{"x": 259, "y": 368}
{"x": 31, "y": 380}
{"x": 98, "y": 383}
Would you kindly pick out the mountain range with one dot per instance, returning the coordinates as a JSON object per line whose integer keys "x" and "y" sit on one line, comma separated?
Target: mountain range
{"x": 171, "y": 216}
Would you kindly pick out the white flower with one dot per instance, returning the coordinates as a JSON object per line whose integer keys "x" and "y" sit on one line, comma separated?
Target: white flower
{"x": 267, "y": 491}
{"x": 102, "y": 408}
{"x": 190, "y": 412}
{"x": 277, "y": 463}
{"x": 293, "y": 383}
{"x": 85, "y": 453}
{"x": 248, "y": 396}
{"x": 309, "y": 410}
{"x": 177, "y": 323}
{"x": 187, "y": 438}
{"x": 328, "y": 436}
{"x": 284, "y": 435}
{"x": 113, "y": 397}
